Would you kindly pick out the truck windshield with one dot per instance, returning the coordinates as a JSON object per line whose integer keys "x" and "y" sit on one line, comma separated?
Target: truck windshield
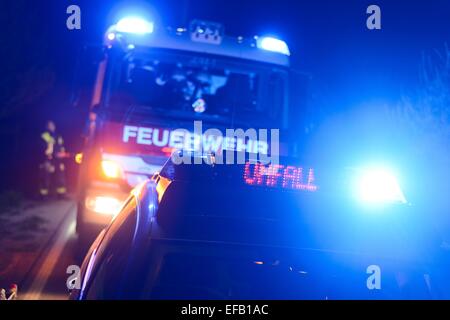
{"x": 181, "y": 85}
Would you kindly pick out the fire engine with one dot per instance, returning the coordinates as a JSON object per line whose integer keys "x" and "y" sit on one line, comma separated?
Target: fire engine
{"x": 153, "y": 83}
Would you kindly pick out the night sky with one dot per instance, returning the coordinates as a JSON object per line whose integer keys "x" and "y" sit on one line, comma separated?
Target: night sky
{"x": 328, "y": 39}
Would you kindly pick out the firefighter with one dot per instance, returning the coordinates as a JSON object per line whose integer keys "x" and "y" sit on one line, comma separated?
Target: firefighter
{"x": 52, "y": 168}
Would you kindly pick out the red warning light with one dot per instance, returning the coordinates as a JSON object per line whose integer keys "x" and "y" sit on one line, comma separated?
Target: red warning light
{"x": 279, "y": 176}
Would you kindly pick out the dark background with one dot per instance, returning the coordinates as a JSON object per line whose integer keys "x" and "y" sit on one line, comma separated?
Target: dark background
{"x": 351, "y": 68}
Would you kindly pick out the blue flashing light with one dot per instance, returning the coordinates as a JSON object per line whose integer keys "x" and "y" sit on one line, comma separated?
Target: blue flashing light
{"x": 378, "y": 186}
{"x": 134, "y": 25}
{"x": 273, "y": 45}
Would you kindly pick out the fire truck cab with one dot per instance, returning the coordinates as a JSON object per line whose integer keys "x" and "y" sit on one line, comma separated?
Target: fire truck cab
{"x": 153, "y": 83}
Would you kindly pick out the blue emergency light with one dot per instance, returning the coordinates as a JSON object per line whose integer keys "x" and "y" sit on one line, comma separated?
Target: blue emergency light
{"x": 134, "y": 25}
{"x": 273, "y": 45}
{"x": 377, "y": 186}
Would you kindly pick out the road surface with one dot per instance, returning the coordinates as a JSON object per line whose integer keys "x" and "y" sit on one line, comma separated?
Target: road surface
{"x": 40, "y": 247}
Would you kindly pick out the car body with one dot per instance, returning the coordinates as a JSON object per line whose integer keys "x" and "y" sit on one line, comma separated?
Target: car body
{"x": 208, "y": 231}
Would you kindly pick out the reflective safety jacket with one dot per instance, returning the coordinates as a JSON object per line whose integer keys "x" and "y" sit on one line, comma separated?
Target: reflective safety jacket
{"x": 54, "y": 144}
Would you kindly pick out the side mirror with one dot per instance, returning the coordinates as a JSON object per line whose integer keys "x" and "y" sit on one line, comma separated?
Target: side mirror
{"x": 85, "y": 73}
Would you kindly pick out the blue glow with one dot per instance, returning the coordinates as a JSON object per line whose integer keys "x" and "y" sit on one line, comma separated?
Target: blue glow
{"x": 378, "y": 186}
{"x": 273, "y": 45}
{"x": 134, "y": 25}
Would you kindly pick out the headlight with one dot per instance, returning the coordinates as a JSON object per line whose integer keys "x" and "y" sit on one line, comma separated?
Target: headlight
{"x": 103, "y": 205}
{"x": 378, "y": 186}
{"x": 111, "y": 169}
